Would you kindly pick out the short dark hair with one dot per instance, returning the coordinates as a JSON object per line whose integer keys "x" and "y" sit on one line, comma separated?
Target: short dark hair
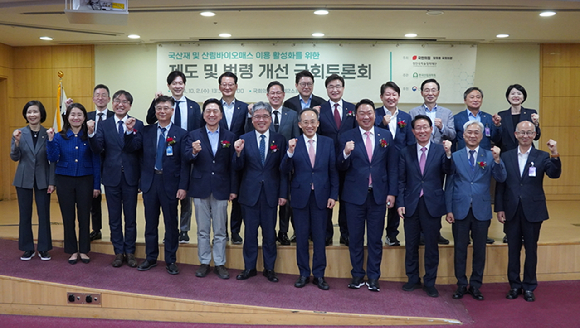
{"x": 40, "y": 109}
{"x": 517, "y": 87}
{"x": 102, "y": 86}
{"x": 391, "y": 85}
{"x": 421, "y": 117}
{"x": 174, "y": 75}
{"x": 273, "y": 83}
{"x": 470, "y": 90}
{"x": 124, "y": 93}
{"x": 430, "y": 81}
{"x": 364, "y": 102}
{"x": 332, "y": 78}
{"x": 302, "y": 74}
{"x": 213, "y": 101}
{"x": 161, "y": 99}
{"x": 226, "y": 74}
{"x": 307, "y": 110}
{"x": 66, "y": 123}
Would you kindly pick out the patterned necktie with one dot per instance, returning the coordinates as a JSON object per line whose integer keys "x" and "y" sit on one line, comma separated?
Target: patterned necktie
{"x": 160, "y": 148}
{"x": 336, "y": 116}
{"x": 369, "y": 146}
{"x": 422, "y": 164}
{"x": 263, "y": 148}
{"x": 471, "y": 159}
{"x": 177, "y": 116}
{"x": 121, "y": 132}
{"x": 276, "y": 121}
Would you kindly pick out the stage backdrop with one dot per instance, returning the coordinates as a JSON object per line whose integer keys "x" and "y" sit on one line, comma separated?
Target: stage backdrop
{"x": 364, "y": 66}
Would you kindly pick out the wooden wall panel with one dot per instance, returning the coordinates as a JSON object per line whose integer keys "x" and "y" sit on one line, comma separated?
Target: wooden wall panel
{"x": 33, "y": 57}
{"x": 6, "y": 92}
{"x": 73, "y": 57}
{"x": 34, "y": 83}
{"x": 561, "y": 55}
{"x": 562, "y": 106}
{"x": 560, "y": 82}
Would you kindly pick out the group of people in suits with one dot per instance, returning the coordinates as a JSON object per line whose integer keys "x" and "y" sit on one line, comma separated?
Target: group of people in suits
{"x": 301, "y": 155}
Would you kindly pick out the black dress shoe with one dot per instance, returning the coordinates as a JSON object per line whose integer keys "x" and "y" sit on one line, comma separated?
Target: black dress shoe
{"x": 271, "y": 275}
{"x": 202, "y": 271}
{"x": 529, "y": 296}
{"x": 344, "y": 240}
{"x": 356, "y": 282}
{"x": 513, "y": 293}
{"x": 283, "y": 239}
{"x": 172, "y": 268}
{"x": 392, "y": 241}
{"x": 504, "y": 239}
{"x": 293, "y": 239}
{"x": 301, "y": 282}
{"x": 373, "y": 285}
{"x": 411, "y": 286}
{"x": 147, "y": 265}
{"x": 431, "y": 291}
{"x": 85, "y": 259}
{"x": 73, "y": 261}
{"x": 221, "y": 271}
{"x": 236, "y": 239}
{"x": 95, "y": 235}
{"x": 246, "y": 274}
{"x": 489, "y": 241}
{"x": 477, "y": 295}
{"x": 442, "y": 240}
{"x": 328, "y": 241}
{"x": 320, "y": 283}
{"x": 461, "y": 290}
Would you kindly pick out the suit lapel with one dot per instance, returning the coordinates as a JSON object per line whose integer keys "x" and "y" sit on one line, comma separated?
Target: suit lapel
{"x": 429, "y": 159}
{"x": 41, "y": 137}
{"x": 330, "y": 116}
{"x": 531, "y": 159}
{"x": 510, "y": 122}
{"x": 26, "y": 138}
{"x": 205, "y": 141}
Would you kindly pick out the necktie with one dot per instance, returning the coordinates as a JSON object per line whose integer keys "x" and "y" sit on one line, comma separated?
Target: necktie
{"x": 422, "y": 164}
{"x": 121, "y": 131}
{"x": 160, "y": 149}
{"x": 100, "y": 118}
{"x": 336, "y": 116}
{"x": 471, "y": 159}
{"x": 177, "y": 116}
{"x": 276, "y": 121}
{"x": 263, "y": 148}
{"x": 369, "y": 146}
{"x": 311, "y": 151}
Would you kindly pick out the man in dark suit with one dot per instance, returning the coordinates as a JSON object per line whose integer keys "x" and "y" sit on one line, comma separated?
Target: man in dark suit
{"x": 314, "y": 188}
{"x": 421, "y": 201}
{"x": 213, "y": 182}
{"x": 369, "y": 161}
{"x": 262, "y": 189}
{"x": 101, "y": 98}
{"x": 391, "y": 118}
{"x": 473, "y": 98}
{"x": 234, "y": 119}
{"x": 164, "y": 180}
{"x": 469, "y": 204}
{"x": 120, "y": 177}
{"x": 186, "y": 115}
{"x": 304, "y": 98}
{"x": 520, "y": 204}
{"x": 336, "y": 117}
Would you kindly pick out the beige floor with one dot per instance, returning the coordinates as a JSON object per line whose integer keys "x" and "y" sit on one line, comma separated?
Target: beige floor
{"x": 563, "y": 227}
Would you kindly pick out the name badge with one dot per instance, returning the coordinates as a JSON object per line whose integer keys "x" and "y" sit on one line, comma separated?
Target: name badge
{"x": 169, "y": 151}
{"x": 532, "y": 171}
{"x": 487, "y": 131}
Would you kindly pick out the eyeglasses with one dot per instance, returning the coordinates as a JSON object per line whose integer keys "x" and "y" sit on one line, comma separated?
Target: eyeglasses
{"x": 526, "y": 133}
{"x": 117, "y": 101}
{"x": 260, "y": 117}
{"x": 305, "y": 84}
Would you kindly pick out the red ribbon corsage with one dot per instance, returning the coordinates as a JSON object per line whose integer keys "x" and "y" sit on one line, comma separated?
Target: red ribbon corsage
{"x": 226, "y": 144}
{"x": 170, "y": 141}
{"x": 384, "y": 143}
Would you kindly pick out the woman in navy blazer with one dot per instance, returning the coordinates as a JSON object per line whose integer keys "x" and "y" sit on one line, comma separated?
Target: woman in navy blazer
{"x": 78, "y": 179}
{"x": 35, "y": 175}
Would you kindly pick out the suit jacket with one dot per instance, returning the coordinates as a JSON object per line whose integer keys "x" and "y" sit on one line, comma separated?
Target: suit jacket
{"x": 212, "y": 174}
{"x": 116, "y": 160}
{"x": 526, "y": 189}
{"x": 467, "y": 188}
{"x": 382, "y": 167}
{"x": 288, "y": 124}
{"x": 175, "y": 168}
{"x": 194, "y": 120}
{"x": 238, "y": 119}
{"x": 411, "y": 181}
{"x": 404, "y": 135}
{"x": 327, "y": 125}
{"x": 33, "y": 166}
{"x": 323, "y": 175}
{"x": 461, "y": 118}
{"x": 507, "y": 140}
{"x": 255, "y": 175}
{"x": 295, "y": 104}
{"x": 446, "y": 116}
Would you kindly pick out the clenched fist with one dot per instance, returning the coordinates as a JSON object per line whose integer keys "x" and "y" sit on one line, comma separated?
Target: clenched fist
{"x": 535, "y": 119}
{"x": 496, "y": 119}
{"x": 292, "y": 145}
{"x": 50, "y": 133}
{"x": 348, "y": 147}
{"x": 90, "y": 127}
{"x": 447, "y": 147}
{"x": 196, "y": 145}
{"x": 130, "y": 123}
{"x": 552, "y": 146}
{"x": 438, "y": 123}
{"x": 239, "y": 146}
{"x": 496, "y": 152}
{"x": 16, "y": 134}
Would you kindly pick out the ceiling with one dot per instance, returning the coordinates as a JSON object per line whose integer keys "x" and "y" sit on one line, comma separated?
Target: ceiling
{"x": 22, "y": 22}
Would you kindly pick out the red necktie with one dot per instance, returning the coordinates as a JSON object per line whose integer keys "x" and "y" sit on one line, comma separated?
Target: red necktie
{"x": 336, "y": 116}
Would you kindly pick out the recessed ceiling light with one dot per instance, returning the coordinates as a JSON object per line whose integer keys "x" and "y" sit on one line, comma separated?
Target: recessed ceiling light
{"x": 321, "y": 12}
{"x": 46, "y": 38}
{"x": 225, "y": 35}
{"x": 133, "y": 36}
{"x": 501, "y": 36}
{"x": 434, "y": 12}
{"x": 410, "y": 35}
{"x": 547, "y": 13}
{"x": 207, "y": 13}
{"x": 317, "y": 35}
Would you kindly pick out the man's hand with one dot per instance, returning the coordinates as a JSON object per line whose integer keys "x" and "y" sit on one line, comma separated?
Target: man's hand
{"x": 552, "y": 146}
{"x": 181, "y": 193}
{"x": 158, "y": 94}
{"x": 282, "y": 201}
{"x": 96, "y": 193}
{"x": 496, "y": 120}
{"x": 50, "y": 133}
{"x": 496, "y": 152}
{"x": 535, "y": 119}
{"x": 317, "y": 108}
{"x": 196, "y": 145}
{"x": 16, "y": 134}
{"x": 239, "y": 146}
{"x": 250, "y": 106}
{"x": 449, "y": 217}
{"x": 233, "y": 196}
{"x": 438, "y": 123}
{"x": 292, "y": 145}
{"x": 348, "y": 147}
{"x": 330, "y": 203}
{"x": 390, "y": 201}
{"x": 401, "y": 211}
{"x": 130, "y": 123}
{"x": 91, "y": 127}
{"x": 447, "y": 146}
{"x": 501, "y": 217}
{"x": 387, "y": 119}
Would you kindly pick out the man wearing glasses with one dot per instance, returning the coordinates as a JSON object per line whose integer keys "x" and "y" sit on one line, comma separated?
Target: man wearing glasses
{"x": 304, "y": 98}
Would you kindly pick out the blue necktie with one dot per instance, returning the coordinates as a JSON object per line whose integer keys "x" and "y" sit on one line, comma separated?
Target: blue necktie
{"x": 121, "y": 131}
{"x": 177, "y": 118}
{"x": 471, "y": 159}
{"x": 160, "y": 149}
{"x": 263, "y": 148}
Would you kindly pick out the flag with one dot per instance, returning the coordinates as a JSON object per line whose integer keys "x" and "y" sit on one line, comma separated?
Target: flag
{"x": 60, "y": 108}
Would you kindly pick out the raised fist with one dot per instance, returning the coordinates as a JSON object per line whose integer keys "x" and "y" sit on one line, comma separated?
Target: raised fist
{"x": 90, "y": 126}
{"x": 239, "y": 145}
{"x": 196, "y": 145}
{"x": 292, "y": 145}
{"x": 348, "y": 147}
{"x": 50, "y": 133}
{"x": 130, "y": 123}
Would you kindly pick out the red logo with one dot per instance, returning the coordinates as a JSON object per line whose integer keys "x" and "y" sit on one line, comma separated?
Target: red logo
{"x": 415, "y": 57}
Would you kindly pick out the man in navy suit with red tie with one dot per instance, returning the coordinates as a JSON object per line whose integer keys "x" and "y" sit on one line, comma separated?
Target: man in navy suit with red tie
{"x": 314, "y": 188}
{"x": 369, "y": 161}
{"x": 336, "y": 117}
{"x": 164, "y": 180}
{"x": 421, "y": 201}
